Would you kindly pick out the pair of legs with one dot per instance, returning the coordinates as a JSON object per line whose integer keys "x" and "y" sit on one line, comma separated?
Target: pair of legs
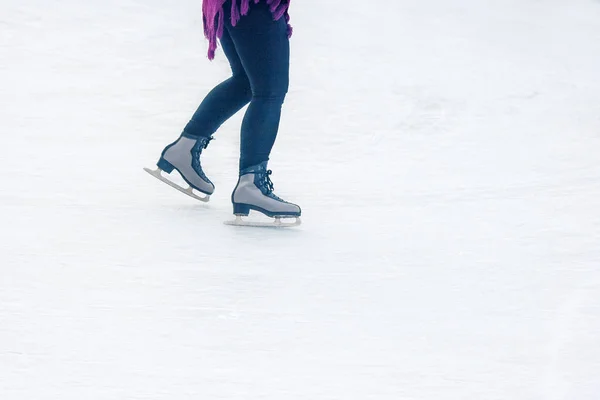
{"x": 258, "y": 52}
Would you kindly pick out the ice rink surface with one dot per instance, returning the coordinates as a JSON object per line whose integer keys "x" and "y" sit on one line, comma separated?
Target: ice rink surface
{"x": 446, "y": 155}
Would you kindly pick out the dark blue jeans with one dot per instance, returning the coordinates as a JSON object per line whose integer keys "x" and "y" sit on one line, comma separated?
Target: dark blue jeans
{"x": 258, "y": 51}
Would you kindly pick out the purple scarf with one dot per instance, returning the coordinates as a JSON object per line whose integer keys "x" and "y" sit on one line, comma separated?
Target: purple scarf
{"x": 213, "y": 17}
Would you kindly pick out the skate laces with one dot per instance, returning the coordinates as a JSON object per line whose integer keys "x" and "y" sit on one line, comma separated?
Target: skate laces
{"x": 267, "y": 182}
{"x": 201, "y": 143}
{"x": 264, "y": 182}
{"x": 267, "y": 185}
{"x": 208, "y": 139}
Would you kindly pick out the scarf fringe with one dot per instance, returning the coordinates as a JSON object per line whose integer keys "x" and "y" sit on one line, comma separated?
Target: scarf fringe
{"x": 213, "y": 18}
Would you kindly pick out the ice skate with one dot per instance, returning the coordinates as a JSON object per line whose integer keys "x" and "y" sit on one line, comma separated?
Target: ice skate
{"x": 183, "y": 155}
{"x": 254, "y": 191}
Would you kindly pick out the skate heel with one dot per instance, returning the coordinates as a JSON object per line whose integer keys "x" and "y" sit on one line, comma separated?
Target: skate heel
{"x": 241, "y": 209}
{"x": 165, "y": 165}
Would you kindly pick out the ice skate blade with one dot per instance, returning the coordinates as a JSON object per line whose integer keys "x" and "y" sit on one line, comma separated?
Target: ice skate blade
{"x": 239, "y": 221}
{"x": 189, "y": 191}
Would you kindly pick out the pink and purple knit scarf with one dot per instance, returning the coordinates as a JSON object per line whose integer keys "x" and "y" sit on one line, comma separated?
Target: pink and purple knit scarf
{"x": 213, "y": 17}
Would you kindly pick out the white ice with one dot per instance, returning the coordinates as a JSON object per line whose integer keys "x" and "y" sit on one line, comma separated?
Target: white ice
{"x": 446, "y": 154}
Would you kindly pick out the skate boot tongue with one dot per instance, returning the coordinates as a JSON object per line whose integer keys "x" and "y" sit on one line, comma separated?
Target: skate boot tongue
{"x": 201, "y": 144}
{"x": 264, "y": 183}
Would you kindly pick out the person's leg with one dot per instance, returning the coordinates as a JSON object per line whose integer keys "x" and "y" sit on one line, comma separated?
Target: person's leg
{"x": 224, "y": 100}
{"x": 263, "y": 47}
{"x": 264, "y": 50}
{"x": 218, "y": 106}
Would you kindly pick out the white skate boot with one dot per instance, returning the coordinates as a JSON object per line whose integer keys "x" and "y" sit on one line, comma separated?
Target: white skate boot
{"x": 254, "y": 191}
{"x": 183, "y": 155}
